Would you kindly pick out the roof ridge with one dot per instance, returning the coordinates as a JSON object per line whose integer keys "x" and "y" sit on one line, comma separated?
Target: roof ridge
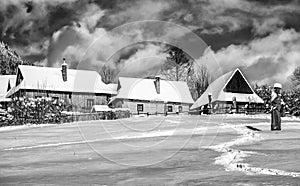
{"x": 153, "y": 79}
{"x": 218, "y": 85}
{"x": 30, "y": 66}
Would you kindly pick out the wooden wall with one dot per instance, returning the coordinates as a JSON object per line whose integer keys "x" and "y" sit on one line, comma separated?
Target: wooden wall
{"x": 150, "y": 107}
{"x": 77, "y": 100}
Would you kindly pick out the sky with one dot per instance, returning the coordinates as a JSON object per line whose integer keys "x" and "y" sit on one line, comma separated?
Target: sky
{"x": 260, "y": 37}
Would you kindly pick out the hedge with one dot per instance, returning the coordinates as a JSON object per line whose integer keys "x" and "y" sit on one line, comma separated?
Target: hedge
{"x": 47, "y": 110}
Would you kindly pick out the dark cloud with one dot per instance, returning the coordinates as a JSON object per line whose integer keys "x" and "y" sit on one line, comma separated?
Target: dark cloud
{"x": 128, "y": 11}
{"x": 265, "y": 60}
{"x": 29, "y": 6}
{"x": 60, "y": 16}
{"x": 218, "y": 41}
{"x": 292, "y": 20}
{"x": 27, "y": 22}
{"x": 67, "y": 37}
{"x": 273, "y": 2}
{"x": 47, "y": 30}
{"x": 210, "y": 19}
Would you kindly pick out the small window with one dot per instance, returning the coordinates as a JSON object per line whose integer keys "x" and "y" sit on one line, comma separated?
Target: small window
{"x": 55, "y": 98}
{"x": 8, "y": 87}
{"x": 89, "y": 103}
{"x": 140, "y": 107}
{"x": 19, "y": 78}
{"x": 180, "y": 108}
{"x": 170, "y": 108}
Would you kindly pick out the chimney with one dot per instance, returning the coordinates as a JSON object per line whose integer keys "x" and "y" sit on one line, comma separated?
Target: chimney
{"x": 64, "y": 68}
{"x": 157, "y": 84}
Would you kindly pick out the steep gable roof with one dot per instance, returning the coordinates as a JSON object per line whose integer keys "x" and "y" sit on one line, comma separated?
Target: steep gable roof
{"x": 6, "y": 82}
{"x": 144, "y": 89}
{"x": 46, "y": 78}
{"x": 219, "y": 93}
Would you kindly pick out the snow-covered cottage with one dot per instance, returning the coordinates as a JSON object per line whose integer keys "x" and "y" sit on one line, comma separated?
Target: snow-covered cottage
{"x": 80, "y": 88}
{"x": 228, "y": 87}
{"x": 152, "y": 96}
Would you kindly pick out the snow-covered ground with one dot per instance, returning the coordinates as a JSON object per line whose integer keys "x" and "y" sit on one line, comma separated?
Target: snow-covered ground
{"x": 232, "y": 158}
{"x": 184, "y": 150}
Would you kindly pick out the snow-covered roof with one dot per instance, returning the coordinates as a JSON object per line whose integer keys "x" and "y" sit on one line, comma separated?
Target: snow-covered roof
{"x": 144, "y": 89}
{"x": 47, "y": 78}
{"x": 216, "y": 88}
{"x": 98, "y": 108}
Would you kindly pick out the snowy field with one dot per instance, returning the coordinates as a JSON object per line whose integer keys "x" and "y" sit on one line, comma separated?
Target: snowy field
{"x": 172, "y": 150}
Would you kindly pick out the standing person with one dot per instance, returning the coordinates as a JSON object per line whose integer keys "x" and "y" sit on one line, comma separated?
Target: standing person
{"x": 276, "y": 107}
{"x": 233, "y": 108}
{"x": 209, "y": 106}
{"x": 246, "y": 108}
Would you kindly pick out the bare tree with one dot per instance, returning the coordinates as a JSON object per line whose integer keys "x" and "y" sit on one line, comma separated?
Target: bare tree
{"x": 296, "y": 77}
{"x": 199, "y": 81}
{"x": 9, "y": 60}
{"x": 178, "y": 65}
{"x": 108, "y": 73}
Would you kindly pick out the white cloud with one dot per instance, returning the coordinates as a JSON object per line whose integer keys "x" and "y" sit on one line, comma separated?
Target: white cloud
{"x": 138, "y": 11}
{"x": 266, "y": 60}
{"x": 148, "y": 59}
{"x": 79, "y": 43}
{"x": 92, "y": 15}
{"x": 267, "y": 25}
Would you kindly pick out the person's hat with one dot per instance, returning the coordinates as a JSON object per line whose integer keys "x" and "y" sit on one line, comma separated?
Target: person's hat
{"x": 277, "y": 85}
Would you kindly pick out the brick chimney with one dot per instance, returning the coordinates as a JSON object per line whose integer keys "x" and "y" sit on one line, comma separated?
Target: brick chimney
{"x": 64, "y": 68}
{"x": 157, "y": 84}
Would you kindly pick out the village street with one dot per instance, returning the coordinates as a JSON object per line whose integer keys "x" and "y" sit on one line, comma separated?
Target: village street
{"x": 154, "y": 150}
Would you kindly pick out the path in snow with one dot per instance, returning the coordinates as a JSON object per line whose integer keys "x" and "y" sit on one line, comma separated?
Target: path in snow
{"x": 232, "y": 158}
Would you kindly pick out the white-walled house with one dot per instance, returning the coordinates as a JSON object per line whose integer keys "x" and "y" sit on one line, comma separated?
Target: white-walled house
{"x": 80, "y": 88}
{"x": 232, "y": 85}
{"x": 152, "y": 96}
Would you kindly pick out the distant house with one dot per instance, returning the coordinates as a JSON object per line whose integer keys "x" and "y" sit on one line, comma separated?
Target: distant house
{"x": 230, "y": 86}
{"x": 80, "y": 88}
{"x": 6, "y": 83}
{"x": 152, "y": 96}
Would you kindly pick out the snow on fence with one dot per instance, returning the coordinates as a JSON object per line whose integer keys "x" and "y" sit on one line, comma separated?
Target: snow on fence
{"x": 23, "y": 111}
{"x": 103, "y": 115}
{"x": 9, "y": 120}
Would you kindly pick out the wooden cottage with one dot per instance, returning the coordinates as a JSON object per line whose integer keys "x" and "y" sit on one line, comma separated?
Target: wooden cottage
{"x": 227, "y": 89}
{"x": 152, "y": 96}
{"x": 80, "y": 88}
